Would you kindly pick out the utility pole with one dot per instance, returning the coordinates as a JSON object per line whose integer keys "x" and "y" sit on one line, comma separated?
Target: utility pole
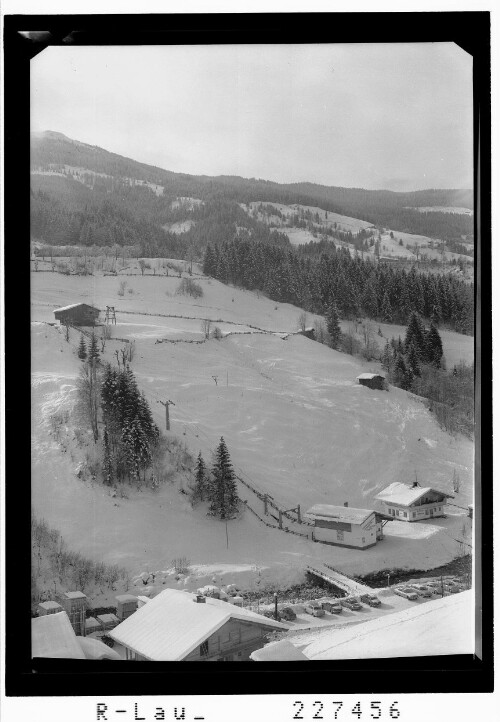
{"x": 166, "y": 404}
{"x": 276, "y": 606}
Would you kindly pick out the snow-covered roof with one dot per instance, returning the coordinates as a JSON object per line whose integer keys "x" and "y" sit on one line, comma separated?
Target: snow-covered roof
{"x": 50, "y": 605}
{"x": 74, "y": 595}
{"x": 399, "y": 493}
{"x": 126, "y": 599}
{"x": 172, "y": 624}
{"x": 53, "y": 636}
{"x": 348, "y": 514}
{"x": 282, "y": 651}
{"x": 441, "y": 626}
{"x": 371, "y": 376}
{"x": 75, "y": 305}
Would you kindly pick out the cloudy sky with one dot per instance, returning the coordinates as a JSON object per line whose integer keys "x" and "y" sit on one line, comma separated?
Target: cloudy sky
{"x": 373, "y": 116}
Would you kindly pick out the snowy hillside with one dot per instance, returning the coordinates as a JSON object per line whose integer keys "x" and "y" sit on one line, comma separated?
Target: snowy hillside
{"x": 296, "y": 423}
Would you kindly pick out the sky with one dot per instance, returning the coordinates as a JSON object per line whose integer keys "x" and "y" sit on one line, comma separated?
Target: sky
{"x": 395, "y": 116}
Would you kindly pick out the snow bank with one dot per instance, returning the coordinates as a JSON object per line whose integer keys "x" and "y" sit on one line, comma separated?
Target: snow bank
{"x": 443, "y": 626}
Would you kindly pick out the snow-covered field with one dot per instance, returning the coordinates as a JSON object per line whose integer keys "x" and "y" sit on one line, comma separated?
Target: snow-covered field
{"x": 297, "y": 425}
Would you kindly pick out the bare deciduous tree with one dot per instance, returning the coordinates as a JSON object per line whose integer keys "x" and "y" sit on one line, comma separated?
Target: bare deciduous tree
{"x": 303, "y": 321}
{"x": 205, "y": 327}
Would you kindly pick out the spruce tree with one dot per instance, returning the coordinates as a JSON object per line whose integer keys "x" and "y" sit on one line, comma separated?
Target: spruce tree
{"x": 412, "y": 361}
{"x": 93, "y": 351}
{"x": 434, "y": 347}
{"x": 415, "y": 334}
{"x": 333, "y": 326}
{"x": 386, "y": 358}
{"x": 386, "y": 310}
{"x": 201, "y": 481}
{"x": 223, "y": 494}
{"x": 82, "y": 349}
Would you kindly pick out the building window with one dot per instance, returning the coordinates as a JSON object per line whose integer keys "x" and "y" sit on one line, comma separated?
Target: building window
{"x": 204, "y": 648}
{"x": 414, "y": 515}
{"x": 340, "y": 536}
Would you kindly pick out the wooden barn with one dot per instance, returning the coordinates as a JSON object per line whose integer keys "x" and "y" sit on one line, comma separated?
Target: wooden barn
{"x": 308, "y": 332}
{"x": 77, "y": 314}
{"x": 373, "y": 381}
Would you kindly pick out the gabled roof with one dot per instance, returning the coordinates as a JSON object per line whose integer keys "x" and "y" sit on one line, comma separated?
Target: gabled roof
{"x": 75, "y": 305}
{"x": 347, "y": 514}
{"x": 399, "y": 493}
{"x": 52, "y": 636}
{"x": 282, "y": 651}
{"x": 172, "y": 624}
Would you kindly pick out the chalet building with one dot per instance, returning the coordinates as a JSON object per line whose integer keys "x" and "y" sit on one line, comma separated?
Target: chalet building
{"x": 373, "y": 381}
{"x": 77, "y": 314}
{"x": 180, "y": 626}
{"x": 412, "y": 503}
{"x": 345, "y": 526}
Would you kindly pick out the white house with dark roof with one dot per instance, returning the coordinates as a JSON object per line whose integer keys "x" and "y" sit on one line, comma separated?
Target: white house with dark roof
{"x": 346, "y": 526}
{"x": 180, "y": 626}
{"x": 413, "y": 502}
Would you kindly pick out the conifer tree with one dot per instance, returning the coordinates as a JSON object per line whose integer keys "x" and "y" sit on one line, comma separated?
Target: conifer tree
{"x": 82, "y": 349}
{"x": 386, "y": 357}
{"x": 93, "y": 351}
{"x": 223, "y": 494}
{"x": 107, "y": 467}
{"x": 333, "y": 326}
{"x": 434, "y": 347}
{"x": 412, "y": 361}
{"x": 386, "y": 309}
{"x": 201, "y": 481}
{"x": 415, "y": 334}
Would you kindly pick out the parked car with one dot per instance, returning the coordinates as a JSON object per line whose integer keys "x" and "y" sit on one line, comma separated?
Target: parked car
{"x": 422, "y": 590}
{"x": 269, "y": 613}
{"x": 406, "y": 592}
{"x": 332, "y": 606}
{"x": 451, "y": 588}
{"x": 287, "y": 614}
{"x": 351, "y": 603}
{"x": 371, "y": 599}
{"x": 315, "y": 609}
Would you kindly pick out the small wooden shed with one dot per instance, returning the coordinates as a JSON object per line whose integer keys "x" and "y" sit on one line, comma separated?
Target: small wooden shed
{"x": 373, "y": 381}
{"x": 77, "y": 314}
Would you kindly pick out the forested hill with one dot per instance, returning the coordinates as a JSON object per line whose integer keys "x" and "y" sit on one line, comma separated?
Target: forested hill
{"x": 52, "y": 151}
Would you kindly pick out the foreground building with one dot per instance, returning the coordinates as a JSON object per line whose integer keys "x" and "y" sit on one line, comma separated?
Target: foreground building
{"x": 53, "y": 636}
{"x": 412, "y": 503}
{"x": 180, "y": 626}
{"x": 346, "y": 526}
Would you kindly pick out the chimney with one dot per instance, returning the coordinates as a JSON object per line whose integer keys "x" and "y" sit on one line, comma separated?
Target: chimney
{"x": 199, "y": 599}
{"x": 346, "y": 503}
{"x": 415, "y": 484}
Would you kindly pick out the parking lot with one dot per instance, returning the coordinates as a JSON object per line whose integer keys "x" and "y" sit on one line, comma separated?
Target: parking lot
{"x": 390, "y": 602}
